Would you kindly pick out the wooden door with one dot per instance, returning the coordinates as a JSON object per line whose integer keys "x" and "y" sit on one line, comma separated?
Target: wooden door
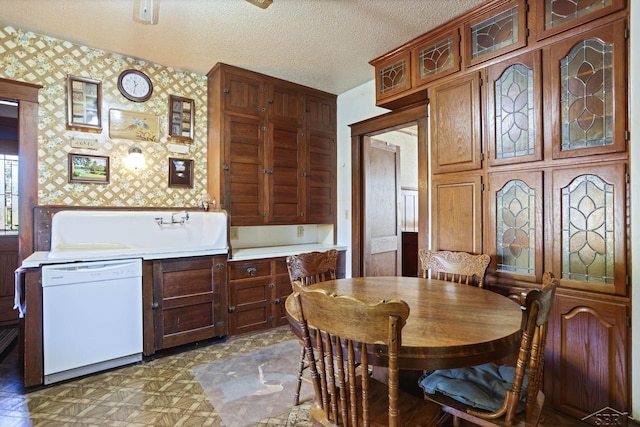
{"x": 243, "y": 170}
{"x": 382, "y": 236}
{"x": 284, "y": 158}
{"x": 8, "y": 263}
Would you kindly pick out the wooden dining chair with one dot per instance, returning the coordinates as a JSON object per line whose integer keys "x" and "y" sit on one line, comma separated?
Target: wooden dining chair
{"x": 310, "y": 268}
{"x": 492, "y": 395}
{"x": 458, "y": 267}
{"x": 335, "y": 330}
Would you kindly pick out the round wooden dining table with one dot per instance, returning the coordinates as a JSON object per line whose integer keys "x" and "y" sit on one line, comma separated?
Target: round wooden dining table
{"x": 450, "y": 325}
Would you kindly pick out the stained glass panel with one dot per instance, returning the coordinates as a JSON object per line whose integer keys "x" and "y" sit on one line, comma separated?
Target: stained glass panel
{"x": 560, "y": 11}
{"x": 588, "y": 231}
{"x": 393, "y": 77}
{"x": 494, "y": 33}
{"x": 515, "y": 228}
{"x": 586, "y": 103}
{"x": 436, "y": 58}
{"x": 514, "y": 112}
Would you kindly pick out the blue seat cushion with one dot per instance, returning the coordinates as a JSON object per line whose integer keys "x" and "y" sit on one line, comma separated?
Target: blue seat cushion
{"x": 483, "y": 386}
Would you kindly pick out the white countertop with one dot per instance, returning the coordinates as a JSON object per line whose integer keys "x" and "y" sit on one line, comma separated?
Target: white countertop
{"x": 244, "y": 254}
{"x": 38, "y": 259}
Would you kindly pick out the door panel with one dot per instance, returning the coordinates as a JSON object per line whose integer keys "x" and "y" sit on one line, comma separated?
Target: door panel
{"x": 382, "y": 242}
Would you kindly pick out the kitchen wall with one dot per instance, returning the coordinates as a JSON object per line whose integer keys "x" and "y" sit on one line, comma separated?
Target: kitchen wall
{"x": 32, "y": 58}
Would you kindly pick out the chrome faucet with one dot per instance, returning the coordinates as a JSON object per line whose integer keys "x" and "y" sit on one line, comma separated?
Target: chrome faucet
{"x": 182, "y": 219}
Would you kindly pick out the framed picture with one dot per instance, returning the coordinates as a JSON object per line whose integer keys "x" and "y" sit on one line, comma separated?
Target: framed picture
{"x": 181, "y": 113}
{"x": 84, "y": 103}
{"x": 133, "y": 125}
{"x": 180, "y": 172}
{"x": 86, "y": 168}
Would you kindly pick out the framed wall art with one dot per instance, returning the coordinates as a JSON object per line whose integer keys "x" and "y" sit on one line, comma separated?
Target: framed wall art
{"x": 181, "y": 114}
{"x": 133, "y": 125}
{"x": 88, "y": 168}
{"x": 180, "y": 172}
{"x": 84, "y": 103}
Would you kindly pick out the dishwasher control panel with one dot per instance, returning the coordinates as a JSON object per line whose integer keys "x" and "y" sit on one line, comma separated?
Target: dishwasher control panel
{"x": 59, "y": 274}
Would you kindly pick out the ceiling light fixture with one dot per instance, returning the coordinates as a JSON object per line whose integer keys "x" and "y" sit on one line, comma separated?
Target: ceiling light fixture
{"x": 146, "y": 11}
{"x": 263, "y": 4}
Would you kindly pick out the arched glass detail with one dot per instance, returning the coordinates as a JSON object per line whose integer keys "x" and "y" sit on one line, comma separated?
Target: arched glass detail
{"x": 515, "y": 228}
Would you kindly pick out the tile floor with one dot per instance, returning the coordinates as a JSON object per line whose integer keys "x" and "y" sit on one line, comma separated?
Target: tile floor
{"x": 157, "y": 392}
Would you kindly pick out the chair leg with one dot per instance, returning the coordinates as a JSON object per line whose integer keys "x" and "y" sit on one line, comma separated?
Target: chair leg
{"x": 296, "y": 397}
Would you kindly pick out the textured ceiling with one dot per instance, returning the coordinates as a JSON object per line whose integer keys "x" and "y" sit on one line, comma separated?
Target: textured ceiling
{"x": 324, "y": 44}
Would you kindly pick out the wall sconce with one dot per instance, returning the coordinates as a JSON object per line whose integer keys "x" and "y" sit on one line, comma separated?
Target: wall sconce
{"x": 146, "y": 11}
{"x": 135, "y": 159}
{"x": 263, "y": 4}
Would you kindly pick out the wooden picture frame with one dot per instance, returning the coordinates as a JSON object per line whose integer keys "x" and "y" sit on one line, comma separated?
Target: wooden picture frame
{"x": 181, "y": 118}
{"x": 88, "y": 168}
{"x": 180, "y": 172}
{"x": 133, "y": 125}
{"x": 84, "y": 103}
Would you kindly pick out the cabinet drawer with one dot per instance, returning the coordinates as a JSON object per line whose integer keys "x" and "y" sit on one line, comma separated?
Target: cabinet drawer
{"x": 245, "y": 270}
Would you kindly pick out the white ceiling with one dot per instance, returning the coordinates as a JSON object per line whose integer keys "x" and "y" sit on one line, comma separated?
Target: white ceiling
{"x": 324, "y": 44}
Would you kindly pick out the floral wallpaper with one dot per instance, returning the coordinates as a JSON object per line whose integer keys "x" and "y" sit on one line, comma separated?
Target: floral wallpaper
{"x": 47, "y": 61}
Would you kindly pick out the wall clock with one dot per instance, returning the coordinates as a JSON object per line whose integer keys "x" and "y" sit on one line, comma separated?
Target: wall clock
{"x": 135, "y": 85}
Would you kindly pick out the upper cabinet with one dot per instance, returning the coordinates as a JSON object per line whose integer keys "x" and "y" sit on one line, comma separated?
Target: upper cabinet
{"x": 495, "y": 32}
{"x": 587, "y": 84}
{"x": 435, "y": 57}
{"x": 554, "y": 16}
{"x": 271, "y": 149}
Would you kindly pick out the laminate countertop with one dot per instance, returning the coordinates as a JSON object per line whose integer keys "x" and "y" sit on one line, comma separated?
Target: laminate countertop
{"x": 244, "y": 254}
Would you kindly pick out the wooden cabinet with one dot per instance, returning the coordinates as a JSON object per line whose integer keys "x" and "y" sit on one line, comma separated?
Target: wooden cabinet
{"x": 587, "y": 362}
{"x": 549, "y": 111}
{"x": 455, "y": 125}
{"x": 257, "y": 292}
{"x": 189, "y": 300}
{"x": 271, "y": 137}
{"x": 587, "y": 92}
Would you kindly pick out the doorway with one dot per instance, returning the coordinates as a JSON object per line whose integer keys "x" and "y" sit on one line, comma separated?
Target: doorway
{"x": 376, "y": 209}
{"x": 24, "y": 98}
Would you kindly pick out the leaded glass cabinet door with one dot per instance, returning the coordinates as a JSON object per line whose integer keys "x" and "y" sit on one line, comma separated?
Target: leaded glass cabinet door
{"x": 555, "y": 16}
{"x": 437, "y": 57}
{"x": 588, "y": 92}
{"x": 515, "y": 224}
{"x": 495, "y": 32}
{"x": 514, "y": 112}
{"x": 589, "y": 211}
{"x": 393, "y": 75}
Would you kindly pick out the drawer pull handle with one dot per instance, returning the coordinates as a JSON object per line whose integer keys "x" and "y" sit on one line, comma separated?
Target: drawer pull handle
{"x": 251, "y": 271}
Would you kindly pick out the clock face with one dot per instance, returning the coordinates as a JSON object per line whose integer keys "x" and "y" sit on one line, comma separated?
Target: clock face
{"x": 135, "y": 85}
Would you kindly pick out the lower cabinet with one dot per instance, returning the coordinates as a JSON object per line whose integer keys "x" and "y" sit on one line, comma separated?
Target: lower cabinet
{"x": 189, "y": 300}
{"x": 257, "y": 292}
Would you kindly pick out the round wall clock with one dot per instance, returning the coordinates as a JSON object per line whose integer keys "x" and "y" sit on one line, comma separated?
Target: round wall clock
{"x": 135, "y": 85}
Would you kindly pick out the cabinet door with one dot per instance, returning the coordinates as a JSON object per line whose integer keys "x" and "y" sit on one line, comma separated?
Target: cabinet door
{"x": 243, "y": 94}
{"x": 495, "y": 32}
{"x": 393, "y": 75}
{"x": 282, "y": 291}
{"x": 284, "y": 162}
{"x": 514, "y": 110}
{"x": 554, "y": 16}
{"x": 436, "y": 57}
{"x": 244, "y": 171}
{"x": 185, "y": 297}
{"x": 587, "y": 100}
{"x": 455, "y": 125}
{"x": 320, "y": 112}
{"x": 587, "y": 354}
{"x": 457, "y": 213}
{"x": 515, "y": 225}
{"x": 320, "y": 178}
{"x": 589, "y": 227}
{"x": 284, "y": 104}
{"x": 250, "y": 296}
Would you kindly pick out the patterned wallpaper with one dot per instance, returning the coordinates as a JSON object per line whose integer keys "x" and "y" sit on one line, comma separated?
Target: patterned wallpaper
{"x": 37, "y": 59}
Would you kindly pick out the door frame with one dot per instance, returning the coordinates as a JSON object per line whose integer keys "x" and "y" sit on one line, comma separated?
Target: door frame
{"x": 371, "y": 127}
{"x": 26, "y": 94}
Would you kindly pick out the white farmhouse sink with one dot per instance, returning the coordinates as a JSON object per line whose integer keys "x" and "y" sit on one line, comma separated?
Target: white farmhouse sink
{"x": 100, "y": 233}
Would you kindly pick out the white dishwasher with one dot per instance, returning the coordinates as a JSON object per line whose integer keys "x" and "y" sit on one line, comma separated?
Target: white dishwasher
{"x": 92, "y": 317}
